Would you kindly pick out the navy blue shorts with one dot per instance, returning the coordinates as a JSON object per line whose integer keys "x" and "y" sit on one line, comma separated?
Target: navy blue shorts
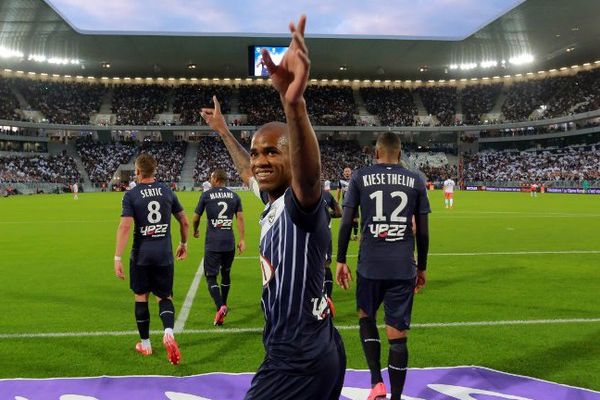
{"x": 271, "y": 382}
{"x": 396, "y": 296}
{"x": 214, "y": 261}
{"x": 157, "y": 279}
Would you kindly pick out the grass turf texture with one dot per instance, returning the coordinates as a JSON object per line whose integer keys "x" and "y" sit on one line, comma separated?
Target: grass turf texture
{"x": 57, "y": 276}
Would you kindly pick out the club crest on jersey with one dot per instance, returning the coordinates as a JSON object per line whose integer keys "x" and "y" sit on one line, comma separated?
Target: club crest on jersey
{"x": 271, "y": 216}
{"x": 267, "y": 270}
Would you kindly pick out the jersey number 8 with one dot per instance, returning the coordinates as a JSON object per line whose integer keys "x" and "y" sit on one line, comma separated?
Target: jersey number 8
{"x": 154, "y": 214}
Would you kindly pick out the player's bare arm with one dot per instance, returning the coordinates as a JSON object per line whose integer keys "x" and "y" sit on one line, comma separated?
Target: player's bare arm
{"x": 122, "y": 236}
{"x": 241, "y": 159}
{"x": 290, "y": 79}
{"x": 337, "y": 211}
{"x": 241, "y": 246}
{"x": 196, "y": 225}
{"x": 184, "y": 226}
{"x": 422, "y": 238}
{"x": 343, "y": 275}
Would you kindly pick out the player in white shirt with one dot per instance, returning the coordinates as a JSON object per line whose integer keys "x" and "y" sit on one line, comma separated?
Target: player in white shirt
{"x": 75, "y": 190}
{"x": 449, "y": 193}
{"x": 327, "y": 185}
{"x": 533, "y": 189}
{"x": 206, "y": 186}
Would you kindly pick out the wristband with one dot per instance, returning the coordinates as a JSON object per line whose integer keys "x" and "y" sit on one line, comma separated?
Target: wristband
{"x": 117, "y": 258}
{"x": 183, "y": 244}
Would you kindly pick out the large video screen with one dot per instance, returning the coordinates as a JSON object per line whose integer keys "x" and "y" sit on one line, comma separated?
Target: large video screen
{"x": 257, "y": 65}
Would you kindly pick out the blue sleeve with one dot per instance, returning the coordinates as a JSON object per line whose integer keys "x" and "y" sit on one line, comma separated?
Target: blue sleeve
{"x": 307, "y": 220}
{"x": 176, "y": 206}
{"x": 201, "y": 205}
{"x": 422, "y": 199}
{"x": 332, "y": 202}
{"x": 128, "y": 208}
{"x": 352, "y": 198}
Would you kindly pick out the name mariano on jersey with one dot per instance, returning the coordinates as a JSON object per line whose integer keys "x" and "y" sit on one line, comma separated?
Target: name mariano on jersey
{"x": 220, "y": 205}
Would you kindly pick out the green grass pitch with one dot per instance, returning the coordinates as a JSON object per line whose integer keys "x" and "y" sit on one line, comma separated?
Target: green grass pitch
{"x": 57, "y": 277}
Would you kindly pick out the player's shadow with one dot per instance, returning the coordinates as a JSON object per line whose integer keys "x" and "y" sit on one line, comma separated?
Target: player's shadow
{"x": 220, "y": 344}
{"x": 551, "y": 360}
{"x": 475, "y": 277}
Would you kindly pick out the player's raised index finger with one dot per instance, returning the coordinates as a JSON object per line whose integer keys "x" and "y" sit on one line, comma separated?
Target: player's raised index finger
{"x": 302, "y": 24}
{"x": 217, "y": 104}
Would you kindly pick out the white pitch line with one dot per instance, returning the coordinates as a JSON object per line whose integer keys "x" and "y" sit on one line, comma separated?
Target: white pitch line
{"x": 339, "y": 327}
{"x": 444, "y": 215}
{"x": 77, "y": 221}
{"x": 184, "y": 312}
{"x": 485, "y": 253}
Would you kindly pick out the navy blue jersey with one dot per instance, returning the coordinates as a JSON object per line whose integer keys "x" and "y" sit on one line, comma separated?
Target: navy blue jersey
{"x": 293, "y": 245}
{"x": 151, "y": 206}
{"x": 221, "y": 205}
{"x": 329, "y": 200}
{"x": 331, "y": 204}
{"x": 388, "y": 196}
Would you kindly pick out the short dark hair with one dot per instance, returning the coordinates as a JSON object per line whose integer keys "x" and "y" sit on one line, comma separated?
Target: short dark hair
{"x": 388, "y": 141}
{"x": 221, "y": 175}
{"x": 146, "y": 164}
{"x": 275, "y": 126}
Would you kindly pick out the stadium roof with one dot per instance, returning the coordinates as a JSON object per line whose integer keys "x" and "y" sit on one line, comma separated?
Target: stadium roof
{"x": 556, "y": 33}
{"x": 338, "y": 18}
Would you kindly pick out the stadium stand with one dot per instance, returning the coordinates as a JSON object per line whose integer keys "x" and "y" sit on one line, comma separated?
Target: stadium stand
{"x": 478, "y": 100}
{"x": 261, "y": 104}
{"x": 330, "y": 105}
{"x": 8, "y": 102}
{"x": 139, "y": 104}
{"x": 212, "y": 154}
{"x": 393, "y": 106}
{"x": 440, "y": 101}
{"x": 58, "y": 168}
{"x": 102, "y": 160}
{"x": 337, "y": 155}
{"x": 189, "y": 99}
{"x": 62, "y": 102}
{"x": 169, "y": 156}
{"x": 572, "y": 163}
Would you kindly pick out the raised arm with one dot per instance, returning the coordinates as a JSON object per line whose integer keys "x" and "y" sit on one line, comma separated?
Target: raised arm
{"x": 290, "y": 78}
{"x": 239, "y": 155}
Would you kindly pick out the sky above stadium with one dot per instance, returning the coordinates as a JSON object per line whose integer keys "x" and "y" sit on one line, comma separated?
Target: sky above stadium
{"x": 379, "y": 18}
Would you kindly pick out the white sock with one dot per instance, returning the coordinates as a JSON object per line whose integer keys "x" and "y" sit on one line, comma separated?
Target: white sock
{"x": 146, "y": 343}
{"x": 169, "y": 331}
{"x": 451, "y": 202}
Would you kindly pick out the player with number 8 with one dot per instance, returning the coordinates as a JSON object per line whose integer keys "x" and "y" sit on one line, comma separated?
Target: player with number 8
{"x": 149, "y": 206}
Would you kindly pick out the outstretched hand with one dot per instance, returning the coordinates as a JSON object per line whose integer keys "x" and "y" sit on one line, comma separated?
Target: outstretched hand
{"x": 213, "y": 116}
{"x": 290, "y": 77}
